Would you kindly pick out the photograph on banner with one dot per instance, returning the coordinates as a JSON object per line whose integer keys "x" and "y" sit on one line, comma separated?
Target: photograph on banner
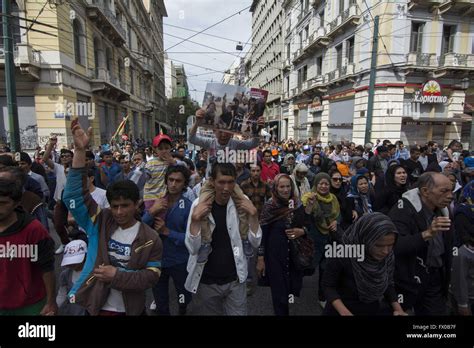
{"x": 233, "y": 109}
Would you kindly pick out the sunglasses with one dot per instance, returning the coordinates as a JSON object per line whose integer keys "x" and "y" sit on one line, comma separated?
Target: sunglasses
{"x": 337, "y": 179}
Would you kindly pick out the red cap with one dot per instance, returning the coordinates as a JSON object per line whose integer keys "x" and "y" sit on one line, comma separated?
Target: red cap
{"x": 159, "y": 138}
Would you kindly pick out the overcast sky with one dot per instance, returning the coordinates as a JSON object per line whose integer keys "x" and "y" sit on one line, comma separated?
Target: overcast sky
{"x": 198, "y": 15}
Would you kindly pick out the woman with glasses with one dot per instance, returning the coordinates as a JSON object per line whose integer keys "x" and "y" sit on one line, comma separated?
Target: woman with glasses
{"x": 339, "y": 189}
{"x": 289, "y": 164}
{"x": 325, "y": 213}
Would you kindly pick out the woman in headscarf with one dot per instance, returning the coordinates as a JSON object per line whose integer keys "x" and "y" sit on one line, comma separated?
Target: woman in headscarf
{"x": 464, "y": 215}
{"x": 289, "y": 164}
{"x": 360, "y": 195}
{"x": 300, "y": 180}
{"x": 395, "y": 187}
{"x": 314, "y": 167}
{"x": 361, "y": 283}
{"x": 325, "y": 211}
{"x": 339, "y": 189}
{"x": 283, "y": 218}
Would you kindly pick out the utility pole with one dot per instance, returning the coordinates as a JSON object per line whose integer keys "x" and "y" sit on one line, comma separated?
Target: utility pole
{"x": 10, "y": 84}
{"x": 373, "y": 72}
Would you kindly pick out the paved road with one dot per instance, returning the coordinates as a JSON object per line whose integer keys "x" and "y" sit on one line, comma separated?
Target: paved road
{"x": 259, "y": 303}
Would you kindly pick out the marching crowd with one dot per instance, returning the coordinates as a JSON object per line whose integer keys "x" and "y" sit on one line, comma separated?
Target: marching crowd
{"x": 130, "y": 217}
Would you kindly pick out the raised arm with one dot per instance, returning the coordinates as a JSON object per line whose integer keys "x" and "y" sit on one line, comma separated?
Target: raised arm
{"x": 76, "y": 193}
{"x": 47, "y": 153}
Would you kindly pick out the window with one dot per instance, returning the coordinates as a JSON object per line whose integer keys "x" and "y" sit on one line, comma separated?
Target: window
{"x": 449, "y": 33}
{"x": 301, "y": 39}
{"x": 78, "y": 34}
{"x": 416, "y": 40}
{"x": 350, "y": 50}
{"x": 288, "y": 83}
{"x": 319, "y": 66}
{"x": 341, "y": 6}
{"x": 132, "y": 80}
{"x": 321, "y": 19}
{"x": 305, "y": 73}
{"x": 339, "y": 56}
{"x": 306, "y": 32}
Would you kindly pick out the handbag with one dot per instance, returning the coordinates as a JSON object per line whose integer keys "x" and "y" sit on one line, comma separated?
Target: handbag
{"x": 302, "y": 252}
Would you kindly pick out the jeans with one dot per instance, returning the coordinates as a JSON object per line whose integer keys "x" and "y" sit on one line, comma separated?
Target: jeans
{"x": 227, "y": 299}
{"x": 161, "y": 289}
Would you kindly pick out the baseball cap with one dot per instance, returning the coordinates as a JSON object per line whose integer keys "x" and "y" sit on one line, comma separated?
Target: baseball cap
{"x": 274, "y": 152}
{"x": 74, "y": 252}
{"x": 306, "y": 148}
{"x": 159, "y": 138}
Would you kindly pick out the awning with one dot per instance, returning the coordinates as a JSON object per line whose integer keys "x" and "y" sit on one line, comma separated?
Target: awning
{"x": 456, "y": 118}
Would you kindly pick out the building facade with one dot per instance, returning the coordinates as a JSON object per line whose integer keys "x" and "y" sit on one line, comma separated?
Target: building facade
{"x": 263, "y": 67}
{"x": 170, "y": 79}
{"x": 425, "y": 50}
{"x": 102, "y": 61}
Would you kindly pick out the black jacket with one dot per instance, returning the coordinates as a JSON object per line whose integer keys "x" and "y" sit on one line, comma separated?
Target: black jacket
{"x": 410, "y": 248}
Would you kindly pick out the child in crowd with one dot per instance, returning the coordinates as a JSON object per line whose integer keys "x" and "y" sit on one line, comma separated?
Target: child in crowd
{"x": 73, "y": 261}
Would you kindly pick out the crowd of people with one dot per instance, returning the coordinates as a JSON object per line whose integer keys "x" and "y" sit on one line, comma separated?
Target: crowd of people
{"x": 130, "y": 217}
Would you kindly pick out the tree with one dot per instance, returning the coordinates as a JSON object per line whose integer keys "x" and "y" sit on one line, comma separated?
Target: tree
{"x": 178, "y": 110}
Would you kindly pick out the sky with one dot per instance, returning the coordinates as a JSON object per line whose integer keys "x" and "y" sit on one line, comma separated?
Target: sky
{"x": 199, "y": 60}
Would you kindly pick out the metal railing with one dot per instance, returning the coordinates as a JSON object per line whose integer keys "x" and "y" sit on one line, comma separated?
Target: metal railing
{"x": 111, "y": 17}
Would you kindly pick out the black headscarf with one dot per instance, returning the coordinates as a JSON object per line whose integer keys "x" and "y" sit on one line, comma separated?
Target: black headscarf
{"x": 372, "y": 277}
{"x": 390, "y": 180}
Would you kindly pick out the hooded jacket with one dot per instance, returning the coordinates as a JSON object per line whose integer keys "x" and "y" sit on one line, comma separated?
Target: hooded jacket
{"x": 410, "y": 249}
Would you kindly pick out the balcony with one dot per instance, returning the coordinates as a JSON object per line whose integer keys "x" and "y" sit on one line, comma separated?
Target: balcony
{"x": 317, "y": 40}
{"x": 104, "y": 83}
{"x": 423, "y": 3}
{"x": 146, "y": 66}
{"x": 100, "y": 13}
{"x": 455, "y": 62}
{"x": 350, "y": 17}
{"x": 26, "y": 58}
{"x": 422, "y": 61}
{"x": 300, "y": 54}
{"x": 302, "y": 16}
{"x": 286, "y": 64}
{"x": 344, "y": 72}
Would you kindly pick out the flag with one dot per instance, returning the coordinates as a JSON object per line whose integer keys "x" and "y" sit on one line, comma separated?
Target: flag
{"x": 121, "y": 127}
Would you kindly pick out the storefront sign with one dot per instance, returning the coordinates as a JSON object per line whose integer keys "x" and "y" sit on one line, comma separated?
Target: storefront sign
{"x": 316, "y": 105}
{"x": 430, "y": 94}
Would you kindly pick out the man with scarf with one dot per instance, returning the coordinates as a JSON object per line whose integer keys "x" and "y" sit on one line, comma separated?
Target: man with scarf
{"x": 364, "y": 287}
{"x": 423, "y": 251}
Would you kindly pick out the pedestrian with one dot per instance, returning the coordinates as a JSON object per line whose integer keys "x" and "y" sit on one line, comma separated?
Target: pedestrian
{"x": 28, "y": 280}
{"x": 124, "y": 255}
{"x": 222, "y": 280}
{"x": 363, "y": 284}
{"x": 395, "y": 186}
{"x": 423, "y": 250}
{"x": 283, "y": 219}
{"x": 172, "y": 230}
